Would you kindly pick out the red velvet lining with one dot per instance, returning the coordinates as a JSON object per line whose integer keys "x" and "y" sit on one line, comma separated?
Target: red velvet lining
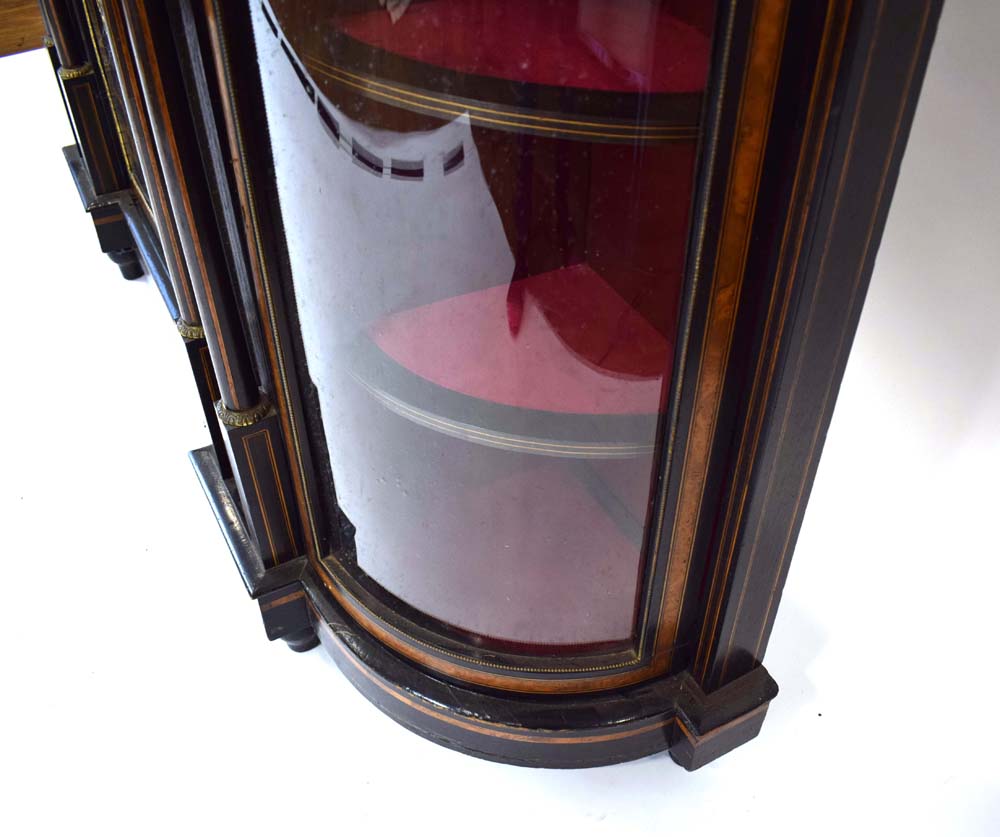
{"x": 562, "y": 341}
{"x": 618, "y": 45}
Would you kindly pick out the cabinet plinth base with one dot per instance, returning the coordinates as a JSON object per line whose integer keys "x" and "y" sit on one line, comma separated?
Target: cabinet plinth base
{"x": 585, "y": 730}
{"x": 560, "y": 731}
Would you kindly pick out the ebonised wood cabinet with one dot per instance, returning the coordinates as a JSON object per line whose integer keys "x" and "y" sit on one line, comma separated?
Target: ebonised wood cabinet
{"x": 518, "y": 325}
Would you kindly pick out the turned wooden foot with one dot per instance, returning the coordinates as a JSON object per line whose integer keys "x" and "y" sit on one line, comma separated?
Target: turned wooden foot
{"x": 304, "y": 640}
{"x": 128, "y": 263}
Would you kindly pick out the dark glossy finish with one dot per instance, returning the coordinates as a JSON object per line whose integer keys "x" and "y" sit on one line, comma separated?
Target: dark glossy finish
{"x": 113, "y": 234}
{"x": 176, "y": 146}
{"x": 257, "y": 457}
{"x": 802, "y": 129}
{"x": 670, "y": 713}
{"x": 128, "y": 263}
{"x": 276, "y": 588}
{"x": 258, "y": 579}
{"x": 261, "y": 223}
{"x": 147, "y": 243}
{"x": 805, "y": 337}
{"x": 254, "y": 448}
{"x": 190, "y": 42}
{"x": 122, "y": 67}
{"x": 750, "y": 38}
{"x": 64, "y": 28}
{"x": 304, "y": 640}
{"x": 98, "y": 160}
{"x": 126, "y": 234}
{"x": 540, "y": 319}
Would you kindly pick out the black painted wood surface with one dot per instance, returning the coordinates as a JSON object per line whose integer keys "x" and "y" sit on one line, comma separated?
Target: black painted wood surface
{"x": 846, "y": 76}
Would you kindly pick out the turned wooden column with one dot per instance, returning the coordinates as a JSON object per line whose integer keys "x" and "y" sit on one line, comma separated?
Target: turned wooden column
{"x": 98, "y": 157}
{"x": 188, "y": 318}
{"x": 249, "y": 424}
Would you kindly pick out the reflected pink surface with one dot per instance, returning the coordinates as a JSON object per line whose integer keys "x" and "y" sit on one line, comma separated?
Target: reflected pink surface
{"x": 507, "y": 546}
{"x": 624, "y": 45}
{"x": 494, "y": 449}
{"x": 499, "y": 345}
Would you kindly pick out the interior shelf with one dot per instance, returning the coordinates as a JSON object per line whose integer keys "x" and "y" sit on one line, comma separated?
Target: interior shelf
{"x": 591, "y": 69}
{"x": 556, "y": 364}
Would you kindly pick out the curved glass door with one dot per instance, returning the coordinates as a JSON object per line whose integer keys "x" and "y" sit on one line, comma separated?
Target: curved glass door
{"x": 486, "y": 206}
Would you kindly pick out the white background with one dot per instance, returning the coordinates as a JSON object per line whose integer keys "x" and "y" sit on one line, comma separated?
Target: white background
{"x": 138, "y": 694}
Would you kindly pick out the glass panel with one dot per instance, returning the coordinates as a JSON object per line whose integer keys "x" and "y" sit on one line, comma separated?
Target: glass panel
{"x": 486, "y": 208}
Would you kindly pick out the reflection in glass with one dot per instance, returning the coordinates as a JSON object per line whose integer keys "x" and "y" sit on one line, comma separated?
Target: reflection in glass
{"x": 486, "y": 207}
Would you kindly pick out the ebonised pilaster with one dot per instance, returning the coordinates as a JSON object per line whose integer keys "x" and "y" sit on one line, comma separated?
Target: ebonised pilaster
{"x": 257, "y": 455}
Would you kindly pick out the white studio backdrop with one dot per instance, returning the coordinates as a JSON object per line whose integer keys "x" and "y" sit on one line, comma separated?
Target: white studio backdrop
{"x": 139, "y": 695}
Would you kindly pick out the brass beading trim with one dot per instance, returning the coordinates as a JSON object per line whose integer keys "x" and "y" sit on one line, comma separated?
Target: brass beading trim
{"x": 242, "y": 418}
{"x": 190, "y": 331}
{"x": 70, "y": 73}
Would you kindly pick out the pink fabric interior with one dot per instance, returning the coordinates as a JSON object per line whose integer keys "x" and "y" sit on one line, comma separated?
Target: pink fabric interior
{"x": 624, "y": 45}
{"x": 540, "y": 347}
